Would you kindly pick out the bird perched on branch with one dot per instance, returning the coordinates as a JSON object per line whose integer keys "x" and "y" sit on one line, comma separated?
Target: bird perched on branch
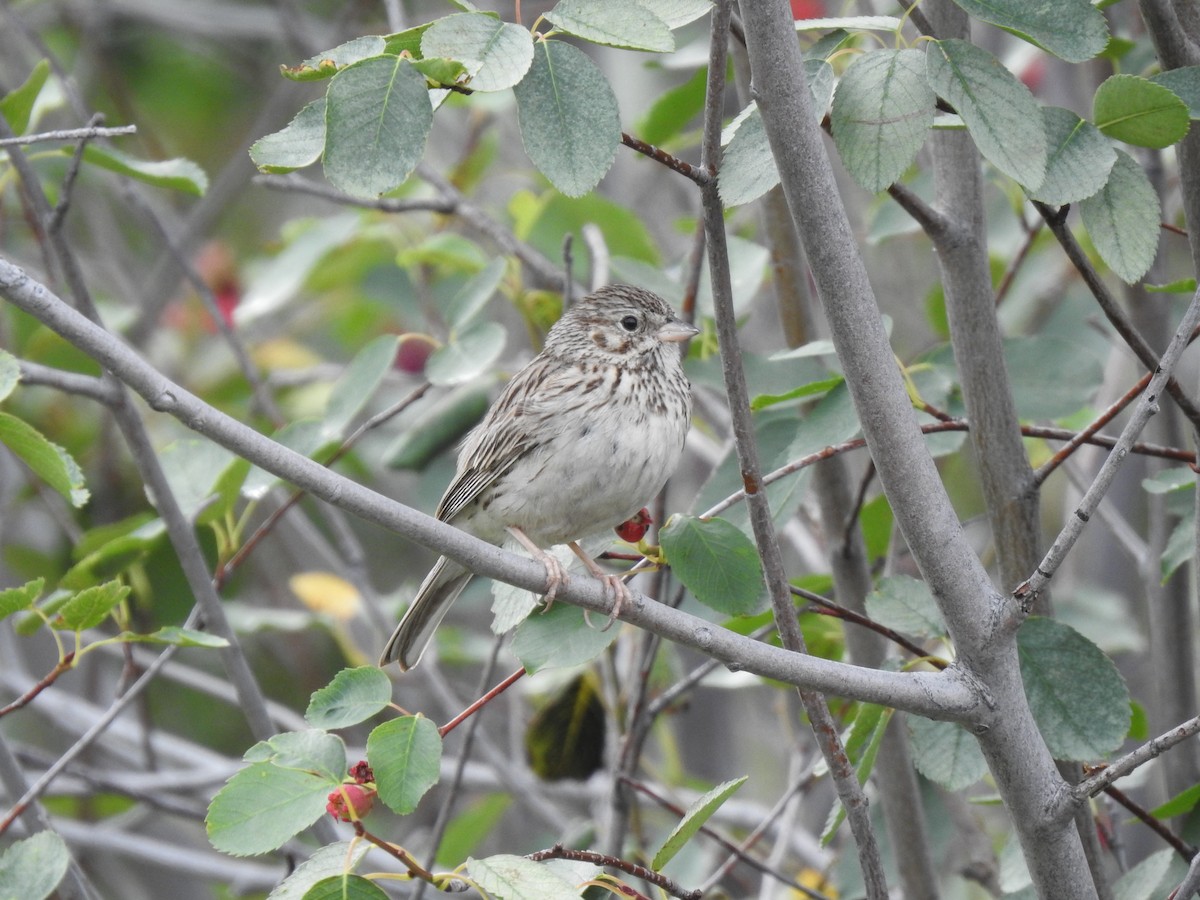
{"x": 575, "y": 444}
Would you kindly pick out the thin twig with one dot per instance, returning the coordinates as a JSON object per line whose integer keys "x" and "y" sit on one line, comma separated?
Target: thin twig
{"x": 68, "y": 134}
{"x": 674, "y": 163}
{"x": 68, "y": 183}
{"x": 482, "y": 702}
{"x": 298, "y": 184}
{"x": 1187, "y": 851}
{"x": 558, "y": 851}
{"x": 414, "y": 867}
{"x": 48, "y": 679}
{"x": 829, "y": 608}
{"x": 1152, "y": 749}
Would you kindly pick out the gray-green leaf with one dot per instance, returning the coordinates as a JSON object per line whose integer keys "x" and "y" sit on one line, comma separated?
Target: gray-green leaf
{"x": 298, "y": 144}
{"x": 560, "y": 638}
{"x": 353, "y": 696}
{"x": 716, "y": 561}
{"x": 1123, "y": 219}
{"x": 882, "y": 110}
{"x": 497, "y": 54}
{"x": 997, "y": 109}
{"x": 615, "y": 23}
{"x": 515, "y": 878}
{"x": 1076, "y": 695}
{"x": 1080, "y": 158}
{"x": 377, "y": 119}
{"x": 905, "y": 604}
{"x": 32, "y": 868}
{"x": 945, "y": 753}
{"x": 568, "y": 115}
{"x": 697, "y": 813}
{"x": 177, "y": 174}
{"x": 1074, "y": 30}
{"x": 468, "y": 354}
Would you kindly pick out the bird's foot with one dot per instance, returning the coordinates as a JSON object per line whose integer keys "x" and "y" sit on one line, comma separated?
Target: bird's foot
{"x": 614, "y": 586}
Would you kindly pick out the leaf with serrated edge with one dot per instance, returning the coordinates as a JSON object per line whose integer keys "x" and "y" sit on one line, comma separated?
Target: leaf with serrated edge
{"x": 513, "y": 877}
{"x": 698, "y": 812}
{"x": 405, "y": 755}
{"x": 377, "y": 119}
{"x": 262, "y": 806}
{"x": 1080, "y": 158}
{"x": 561, "y": 637}
{"x": 298, "y": 144}
{"x": 614, "y": 23}
{"x": 1074, "y": 30}
{"x": 1123, "y": 219}
{"x": 882, "y": 111}
{"x": 49, "y": 461}
{"x": 89, "y": 608}
{"x": 945, "y": 753}
{"x": 497, "y": 54}
{"x": 906, "y": 604}
{"x": 17, "y": 599}
{"x": 998, "y": 110}
{"x": 1138, "y": 111}
{"x": 328, "y": 860}
{"x": 1077, "y": 697}
{"x": 353, "y": 696}
{"x": 716, "y": 561}
{"x": 568, "y": 117}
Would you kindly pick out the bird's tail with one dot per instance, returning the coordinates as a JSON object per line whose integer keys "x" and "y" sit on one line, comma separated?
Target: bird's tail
{"x": 440, "y": 588}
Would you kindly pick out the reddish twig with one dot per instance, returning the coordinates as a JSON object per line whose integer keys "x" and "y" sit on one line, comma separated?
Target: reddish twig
{"x": 415, "y": 868}
{"x": 1014, "y": 267}
{"x": 1177, "y": 844}
{"x": 687, "y": 170}
{"x": 558, "y": 851}
{"x": 47, "y": 680}
{"x": 481, "y": 702}
{"x": 829, "y": 608}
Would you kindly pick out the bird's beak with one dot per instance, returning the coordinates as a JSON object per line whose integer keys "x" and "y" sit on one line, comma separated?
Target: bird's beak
{"x": 675, "y": 332}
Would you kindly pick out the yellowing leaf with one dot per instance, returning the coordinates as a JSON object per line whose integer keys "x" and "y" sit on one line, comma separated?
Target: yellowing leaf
{"x": 324, "y": 592}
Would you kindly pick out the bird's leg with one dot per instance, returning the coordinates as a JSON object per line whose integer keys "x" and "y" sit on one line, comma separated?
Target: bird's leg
{"x": 613, "y": 584}
{"x": 556, "y": 575}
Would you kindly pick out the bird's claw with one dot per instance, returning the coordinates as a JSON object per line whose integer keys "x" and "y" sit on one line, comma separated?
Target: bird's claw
{"x": 556, "y": 577}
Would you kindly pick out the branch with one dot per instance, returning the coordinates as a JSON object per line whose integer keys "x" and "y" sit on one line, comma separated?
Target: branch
{"x": 675, "y": 164}
{"x": 69, "y": 134}
{"x": 1028, "y": 591}
{"x": 1057, "y": 220}
{"x": 950, "y": 695}
{"x": 298, "y": 184}
{"x": 558, "y": 851}
{"x": 1094, "y": 785}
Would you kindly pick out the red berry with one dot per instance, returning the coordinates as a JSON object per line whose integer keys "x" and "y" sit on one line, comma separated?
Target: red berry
{"x": 635, "y": 529}
{"x": 350, "y": 802}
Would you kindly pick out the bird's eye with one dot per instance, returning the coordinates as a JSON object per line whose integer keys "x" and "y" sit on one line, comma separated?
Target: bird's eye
{"x": 630, "y": 323}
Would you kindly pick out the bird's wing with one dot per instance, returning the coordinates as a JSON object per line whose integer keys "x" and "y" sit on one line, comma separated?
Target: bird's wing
{"x": 510, "y": 429}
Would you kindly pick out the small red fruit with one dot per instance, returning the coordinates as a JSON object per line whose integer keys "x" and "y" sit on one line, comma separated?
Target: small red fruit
{"x": 635, "y": 529}
{"x": 350, "y": 802}
{"x": 361, "y": 773}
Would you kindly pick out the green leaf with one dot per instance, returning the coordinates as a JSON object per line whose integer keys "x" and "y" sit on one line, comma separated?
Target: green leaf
{"x": 10, "y": 374}
{"x": 438, "y": 427}
{"x": 1075, "y": 692}
{"x": 747, "y": 167}
{"x": 674, "y": 109}
{"x": 177, "y": 174}
{"x": 677, "y": 13}
{"x": 17, "y": 105}
{"x": 716, "y": 561}
{"x": 331, "y": 859}
{"x": 560, "y": 638}
{"x": 262, "y": 806}
{"x": 997, "y": 109}
{"x": 1123, "y": 219}
{"x": 470, "y": 828}
{"x": 1184, "y": 82}
{"x": 353, "y": 696}
{"x": 882, "y": 111}
{"x": 377, "y": 119}
{"x": 568, "y": 116}
{"x": 831, "y": 421}
{"x": 313, "y": 751}
{"x": 945, "y": 753}
{"x": 103, "y": 561}
{"x": 698, "y": 812}
{"x": 177, "y": 637}
{"x": 517, "y": 878}
{"x": 824, "y": 385}
{"x": 850, "y": 23}
{"x": 1179, "y": 805}
{"x": 1181, "y": 286}
{"x": 473, "y": 296}
{"x": 327, "y": 63}
{"x": 405, "y": 755}
{"x": 905, "y": 604}
{"x": 614, "y": 23}
{"x": 1181, "y": 545}
{"x": 468, "y": 354}
{"x": 31, "y": 869}
{"x": 1138, "y": 111}
{"x": 409, "y": 40}
{"x": 1080, "y": 158}
{"x": 1051, "y": 377}
{"x": 440, "y": 71}
{"x": 192, "y": 467}
{"x": 345, "y": 887}
{"x": 1145, "y": 880}
{"x": 544, "y": 220}
{"x": 1074, "y": 30}
{"x": 298, "y": 144}
{"x": 18, "y": 599}
{"x": 497, "y": 54}
{"x": 1168, "y": 481}
{"x": 89, "y": 608}
{"x": 862, "y": 746}
{"x": 354, "y": 389}
{"x": 49, "y": 462}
